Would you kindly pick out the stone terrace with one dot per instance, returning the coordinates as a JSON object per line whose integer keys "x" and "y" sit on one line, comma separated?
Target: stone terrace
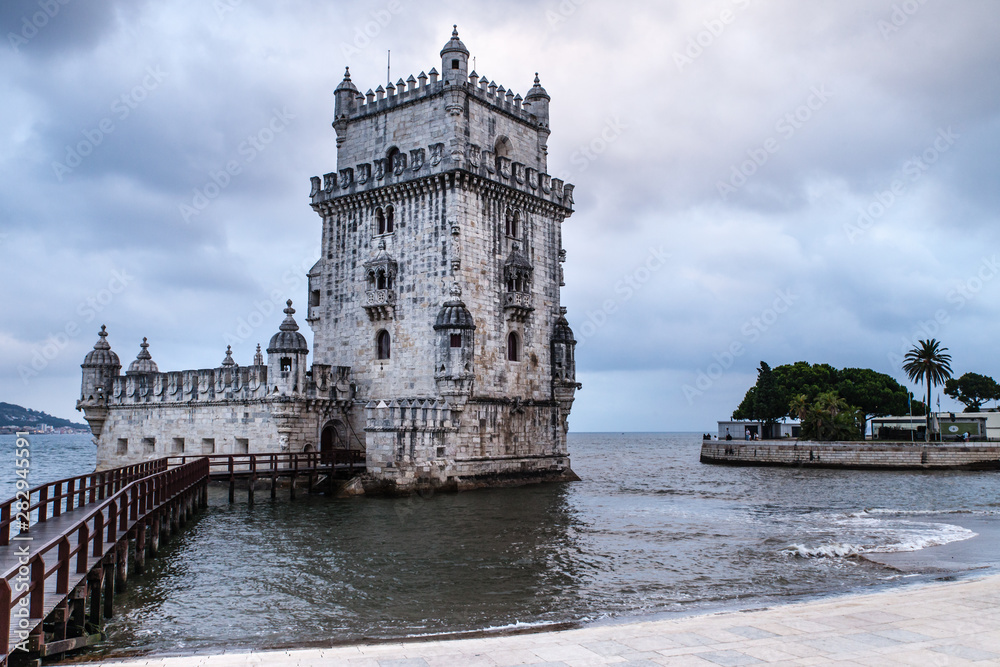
{"x": 956, "y": 623}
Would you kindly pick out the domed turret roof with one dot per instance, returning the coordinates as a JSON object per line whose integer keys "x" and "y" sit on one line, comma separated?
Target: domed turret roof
{"x": 143, "y": 362}
{"x": 288, "y": 338}
{"x": 537, "y": 90}
{"x": 454, "y": 314}
{"x": 102, "y": 354}
{"x": 454, "y": 44}
{"x": 562, "y": 332}
{"x": 347, "y": 84}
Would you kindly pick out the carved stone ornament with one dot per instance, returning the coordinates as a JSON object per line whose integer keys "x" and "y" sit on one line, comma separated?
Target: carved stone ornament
{"x": 316, "y": 186}
{"x": 437, "y": 152}
{"x": 364, "y": 173}
{"x": 417, "y": 157}
{"x": 329, "y": 182}
{"x": 346, "y": 178}
{"x": 379, "y": 169}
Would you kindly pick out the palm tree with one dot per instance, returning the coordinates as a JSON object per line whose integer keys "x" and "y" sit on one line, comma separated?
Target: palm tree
{"x": 927, "y": 362}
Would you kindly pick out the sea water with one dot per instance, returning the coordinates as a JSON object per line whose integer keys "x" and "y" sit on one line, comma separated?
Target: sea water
{"x": 648, "y": 531}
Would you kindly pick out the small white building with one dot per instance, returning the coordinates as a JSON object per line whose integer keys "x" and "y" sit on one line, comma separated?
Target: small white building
{"x": 951, "y": 425}
{"x": 740, "y": 430}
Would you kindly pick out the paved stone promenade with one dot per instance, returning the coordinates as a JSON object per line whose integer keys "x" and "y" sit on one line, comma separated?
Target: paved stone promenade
{"x": 955, "y": 623}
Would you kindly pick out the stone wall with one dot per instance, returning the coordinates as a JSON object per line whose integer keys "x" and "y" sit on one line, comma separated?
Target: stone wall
{"x": 851, "y": 455}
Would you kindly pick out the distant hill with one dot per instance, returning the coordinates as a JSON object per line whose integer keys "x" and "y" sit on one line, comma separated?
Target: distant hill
{"x": 16, "y": 417}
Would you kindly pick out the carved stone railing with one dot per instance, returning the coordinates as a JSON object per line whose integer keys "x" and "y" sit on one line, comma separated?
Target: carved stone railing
{"x": 517, "y": 305}
{"x": 380, "y": 304}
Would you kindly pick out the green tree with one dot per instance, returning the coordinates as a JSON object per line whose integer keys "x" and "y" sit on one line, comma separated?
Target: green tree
{"x": 873, "y": 394}
{"x": 928, "y": 363}
{"x": 766, "y": 401}
{"x": 972, "y": 389}
{"x": 829, "y": 417}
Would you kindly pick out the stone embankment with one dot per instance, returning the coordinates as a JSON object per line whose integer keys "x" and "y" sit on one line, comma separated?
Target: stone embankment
{"x": 856, "y": 455}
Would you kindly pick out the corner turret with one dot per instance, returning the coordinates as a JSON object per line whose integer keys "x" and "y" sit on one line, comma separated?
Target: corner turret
{"x": 286, "y": 357}
{"x": 454, "y": 346}
{"x": 454, "y": 61}
{"x": 345, "y": 104}
{"x": 100, "y": 368}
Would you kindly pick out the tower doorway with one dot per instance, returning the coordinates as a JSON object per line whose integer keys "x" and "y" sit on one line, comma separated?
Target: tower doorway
{"x": 334, "y": 437}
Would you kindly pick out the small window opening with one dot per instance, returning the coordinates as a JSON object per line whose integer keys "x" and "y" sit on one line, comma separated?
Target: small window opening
{"x": 454, "y": 64}
{"x": 456, "y": 340}
{"x": 379, "y": 221}
{"x": 208, "y": 445}
{"x": 513, "y": 347}
{"x": 390, "y": 219}
{"x": 241, "y": 446}
{"x": 380, "y": 280}
{"x": 178, "y": 446}
{"x": 515, "y": 224}
{"x": 122, "y": 446}
{"x": 286, "y": 364}
{"x": 382, "y": 344}
{"x": 314, "y": 298}
{"x": 148, "y": 445}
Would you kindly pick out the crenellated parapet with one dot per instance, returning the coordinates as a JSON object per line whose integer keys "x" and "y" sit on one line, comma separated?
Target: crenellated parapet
{"x": 417, "y": 414}
{"x": 476, "y": 160}
{"x": 203, "y": 385}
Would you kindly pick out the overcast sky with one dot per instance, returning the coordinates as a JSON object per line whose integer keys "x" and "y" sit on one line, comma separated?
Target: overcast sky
{"x": 775, "y": 181}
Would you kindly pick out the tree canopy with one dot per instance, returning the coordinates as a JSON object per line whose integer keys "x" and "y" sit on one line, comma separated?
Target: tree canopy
{"x": 972, "y": 389}
{"x": 866, "y": 392}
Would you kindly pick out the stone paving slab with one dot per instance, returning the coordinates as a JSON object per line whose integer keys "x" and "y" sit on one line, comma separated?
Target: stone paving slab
{"x": 954, "y": 623}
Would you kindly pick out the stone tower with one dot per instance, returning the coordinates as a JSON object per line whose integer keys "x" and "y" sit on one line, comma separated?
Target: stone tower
{"x": 439, "y": 280}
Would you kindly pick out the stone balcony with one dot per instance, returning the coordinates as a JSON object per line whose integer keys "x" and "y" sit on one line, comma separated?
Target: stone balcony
{"x": 517, "y": 305}
{"x": 380, "y": 304}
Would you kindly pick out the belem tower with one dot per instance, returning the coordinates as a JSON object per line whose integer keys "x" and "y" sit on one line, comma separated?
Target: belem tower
{"x": 440, "y": 348}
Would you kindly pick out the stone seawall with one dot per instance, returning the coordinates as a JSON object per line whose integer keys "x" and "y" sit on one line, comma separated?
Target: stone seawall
{"x": 857, "y": 455}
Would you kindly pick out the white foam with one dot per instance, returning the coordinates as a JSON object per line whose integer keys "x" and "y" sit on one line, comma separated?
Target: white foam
{"x": 866, "y": 534}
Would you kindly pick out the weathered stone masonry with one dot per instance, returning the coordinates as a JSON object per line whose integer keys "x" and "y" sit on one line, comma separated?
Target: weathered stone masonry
{"x": 440, "y": 345}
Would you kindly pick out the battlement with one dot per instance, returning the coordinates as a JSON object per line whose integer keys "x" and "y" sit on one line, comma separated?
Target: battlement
{"x": 474, "y": 160}
{"x": 411, "y": 414}
{"x": 423, "y": 86}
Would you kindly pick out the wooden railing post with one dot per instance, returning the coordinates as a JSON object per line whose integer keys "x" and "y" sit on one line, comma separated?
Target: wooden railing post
{"x": 99, "y": 534}
{"x": 70, "y": 492}
{"x": 101, "y": 482}
{"x": 112, "y": 521}
{"x": 4, "y": 617}
{"x": 5, "y": 529}
{"x": 37, "y": 595}
{"x": 62, "y": 578}
{"x": 57, "y": 500}
{"x": 43, "y": 503}
{"x": 82, "y": 542}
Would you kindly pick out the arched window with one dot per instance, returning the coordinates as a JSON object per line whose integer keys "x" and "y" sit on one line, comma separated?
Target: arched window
{"x": 390, "y": 159}
{"x": 382, "y": 344}
{"x": 502, "y": 147}
{"x": 379, "y": 221}
{"x": 380, "y": 279}
{"x": 390, "y": 219}
{"x": 513, "y": 347}
{"x": 515, "y": 224}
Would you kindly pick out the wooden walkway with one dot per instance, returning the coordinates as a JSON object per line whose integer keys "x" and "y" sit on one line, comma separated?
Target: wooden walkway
{"x": 66, "y": 547}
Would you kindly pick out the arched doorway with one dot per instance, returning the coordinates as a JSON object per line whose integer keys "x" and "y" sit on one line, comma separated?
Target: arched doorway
{"x": 334, "y": 437}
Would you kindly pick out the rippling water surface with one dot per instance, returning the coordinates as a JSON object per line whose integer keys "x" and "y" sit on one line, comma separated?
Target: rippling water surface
{"x": 649, "y": 530}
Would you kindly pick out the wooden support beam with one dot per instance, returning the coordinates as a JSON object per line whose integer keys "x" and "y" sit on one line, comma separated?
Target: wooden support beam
{"x": 109, "y": 589}
{"x": 140, "y": 548}
{"x": 96, "y": 584}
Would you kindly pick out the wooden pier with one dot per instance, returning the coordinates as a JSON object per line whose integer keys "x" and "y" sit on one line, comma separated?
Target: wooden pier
{"x": 68, "y": 546}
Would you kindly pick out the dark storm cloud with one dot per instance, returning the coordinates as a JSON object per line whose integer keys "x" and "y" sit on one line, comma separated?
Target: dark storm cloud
{"x": 841, "y": 97}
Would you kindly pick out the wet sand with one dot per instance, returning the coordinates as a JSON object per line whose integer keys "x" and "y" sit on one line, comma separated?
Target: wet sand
{"x": 978, "y": 553}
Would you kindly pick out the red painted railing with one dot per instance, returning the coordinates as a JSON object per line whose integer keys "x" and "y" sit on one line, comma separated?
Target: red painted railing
{"x": 224, "y": 465}
{"x": 37, "y": 504}
{"x": 124, "y": 504}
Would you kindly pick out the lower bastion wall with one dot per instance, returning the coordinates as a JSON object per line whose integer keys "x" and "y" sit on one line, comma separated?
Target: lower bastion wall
{"x": 857, "y": 455}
